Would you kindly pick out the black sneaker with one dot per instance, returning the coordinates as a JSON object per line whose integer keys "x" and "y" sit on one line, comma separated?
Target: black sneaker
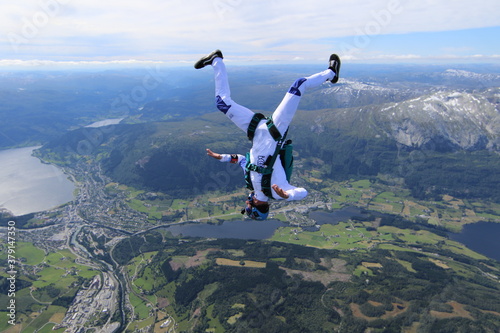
{"x": 208, "y": 59}
{"x": 334, "y": 65}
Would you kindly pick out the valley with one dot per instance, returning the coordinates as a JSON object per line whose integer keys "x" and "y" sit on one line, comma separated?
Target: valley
{"x": 105, "y": 214}
{"x": 406, "y": 158}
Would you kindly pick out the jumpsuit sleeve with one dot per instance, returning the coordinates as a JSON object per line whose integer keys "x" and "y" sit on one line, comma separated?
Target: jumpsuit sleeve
{"x": 235, "y": 159}
{"x": 296, "y": 193}
{"x": 232, "y": 158}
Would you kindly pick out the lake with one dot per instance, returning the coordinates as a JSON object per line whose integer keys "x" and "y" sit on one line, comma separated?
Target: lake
{"x": 341, "y": 215}
{"x": 250, "y": 229}
{"x": 481, "y": 237}
{"x": 28, "y": 185}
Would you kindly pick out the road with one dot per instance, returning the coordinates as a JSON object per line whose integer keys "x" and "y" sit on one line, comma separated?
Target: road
{"x": 98, "y": 213}
{"x": 71, "y": 226}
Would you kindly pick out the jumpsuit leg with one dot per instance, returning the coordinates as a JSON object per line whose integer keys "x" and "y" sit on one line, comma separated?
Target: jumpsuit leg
{"x": 240, "y": 115}
{"x": 283, "y": 115}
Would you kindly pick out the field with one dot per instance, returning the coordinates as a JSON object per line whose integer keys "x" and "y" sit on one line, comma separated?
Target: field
{"x": 31, "y": 254}
{"x": 398, "y": 308}
{"x": 159, "y": 206}
{"x": 54, "y": 274}
{"x": 449, "y": 212}
{"x": 242, "y": 263}
{"x": 359, "y": 281}
{"x": 458, "y": 311}
{"x": 343, "y": 236}
{"x": 49, "y": 276}
{"x": 353, "y": 236}
{"x": 381, "y": 194}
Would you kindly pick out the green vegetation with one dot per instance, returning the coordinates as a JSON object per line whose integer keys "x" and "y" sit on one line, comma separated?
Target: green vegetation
{"x": 379, "y": 194}
{"x": 159, "y": 166}
{"x": 411, "y": 278}
{"x": 29, "y": 253}
{"x": 392, "y": 271}
{"x": 46, "y": 284}
{"x": 165, "y": 157}
{"x": 341, "y": 236}
{"x": 25, "y": 221}
{"x": 42, "y": 320}
{"x": 382, "y": 194}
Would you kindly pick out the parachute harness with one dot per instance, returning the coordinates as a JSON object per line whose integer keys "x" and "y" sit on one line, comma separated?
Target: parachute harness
{"x": 282, "y": 148}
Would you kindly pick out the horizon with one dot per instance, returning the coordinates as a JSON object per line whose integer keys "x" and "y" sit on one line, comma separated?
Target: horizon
{"x": 98, "y": 67}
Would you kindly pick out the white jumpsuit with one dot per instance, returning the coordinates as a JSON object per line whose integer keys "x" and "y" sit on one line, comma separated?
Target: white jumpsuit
{"x": 263, "y": 143}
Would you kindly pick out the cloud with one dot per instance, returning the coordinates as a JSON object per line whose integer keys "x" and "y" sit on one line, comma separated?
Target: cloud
{"x": 19, "y": 64}
{"x": 176, "y": 29}
{"x": 415, "y": 58}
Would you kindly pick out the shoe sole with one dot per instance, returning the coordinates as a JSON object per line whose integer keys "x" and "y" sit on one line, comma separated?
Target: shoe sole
{"x": 336, "y": 70}
{"x": 208, "y": 59}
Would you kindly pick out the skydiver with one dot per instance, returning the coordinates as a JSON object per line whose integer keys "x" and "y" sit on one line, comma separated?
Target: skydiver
{"x": 264, "y": 141}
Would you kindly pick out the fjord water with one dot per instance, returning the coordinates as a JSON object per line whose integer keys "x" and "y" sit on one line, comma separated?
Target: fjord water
{"x": 28, "y": 185}
{"x": 481, "y": 237}
{"x": 250, "y": 229}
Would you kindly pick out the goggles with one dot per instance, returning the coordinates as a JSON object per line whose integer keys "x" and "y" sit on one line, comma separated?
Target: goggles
{"x": 252, "y": 211}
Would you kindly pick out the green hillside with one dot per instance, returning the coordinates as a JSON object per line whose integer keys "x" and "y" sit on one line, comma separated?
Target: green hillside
{"x": 269, "y": 286}
{"x": 391, "y": 267}
{"x": 170, "y": 156}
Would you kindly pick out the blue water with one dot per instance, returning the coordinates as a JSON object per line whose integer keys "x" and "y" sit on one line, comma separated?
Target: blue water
{"x": 28, "y": 185}
{"x": 247, "y": 229}
{"x": 482, "y": 237}
{"x": 341, "y": 215}
{"x": 250, "y": 229}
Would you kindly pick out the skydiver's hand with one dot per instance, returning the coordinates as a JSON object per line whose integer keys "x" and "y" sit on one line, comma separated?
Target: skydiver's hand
{"x": 280, "y": 191}
{"x": 214, "y": 155}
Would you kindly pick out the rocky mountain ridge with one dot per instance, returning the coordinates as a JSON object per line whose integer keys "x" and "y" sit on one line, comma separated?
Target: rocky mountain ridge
{"x": 375, "y": 135}
{"x": 469, "y": 121}
{"x": 432, "y": 117}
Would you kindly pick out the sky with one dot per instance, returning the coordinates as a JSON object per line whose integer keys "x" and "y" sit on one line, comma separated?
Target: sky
{"x": 51, "y": 33}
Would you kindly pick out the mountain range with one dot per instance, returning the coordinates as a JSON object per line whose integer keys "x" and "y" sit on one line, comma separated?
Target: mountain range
{"x": 409, "y": 145}
{"x": 462, "y": 120}
{"x": 438, "y": 138}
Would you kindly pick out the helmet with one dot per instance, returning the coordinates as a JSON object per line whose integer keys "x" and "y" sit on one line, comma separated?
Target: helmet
{"x": 252, "y": 212}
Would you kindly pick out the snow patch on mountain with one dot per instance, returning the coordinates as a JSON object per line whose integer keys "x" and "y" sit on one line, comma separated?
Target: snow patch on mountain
{"x": 465, "y": 120}
{"x": 459, "y": 73}
{"x": 354, "y": 85}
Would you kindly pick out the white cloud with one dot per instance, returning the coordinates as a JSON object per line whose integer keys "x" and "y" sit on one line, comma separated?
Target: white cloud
{"x": 17, "y": 64}
{"x": 415, "y": 58}
{"x": 161, "y": 30}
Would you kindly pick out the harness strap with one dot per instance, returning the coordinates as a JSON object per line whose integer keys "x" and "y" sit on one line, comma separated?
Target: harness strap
{"x": 266, "y": 171}
{"x": 248, "y": 181}
{"x": 273, "y": 130}
{"x": 253, "y": 125}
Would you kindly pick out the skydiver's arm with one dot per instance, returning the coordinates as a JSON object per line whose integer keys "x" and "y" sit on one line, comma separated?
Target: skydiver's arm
{"x": 297, "y": 193}
{"x": 214, "y": 155}
{"x": 280, "y": 191}
{"x": 293, "y": 193}
{"x": 232, "y": 158}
